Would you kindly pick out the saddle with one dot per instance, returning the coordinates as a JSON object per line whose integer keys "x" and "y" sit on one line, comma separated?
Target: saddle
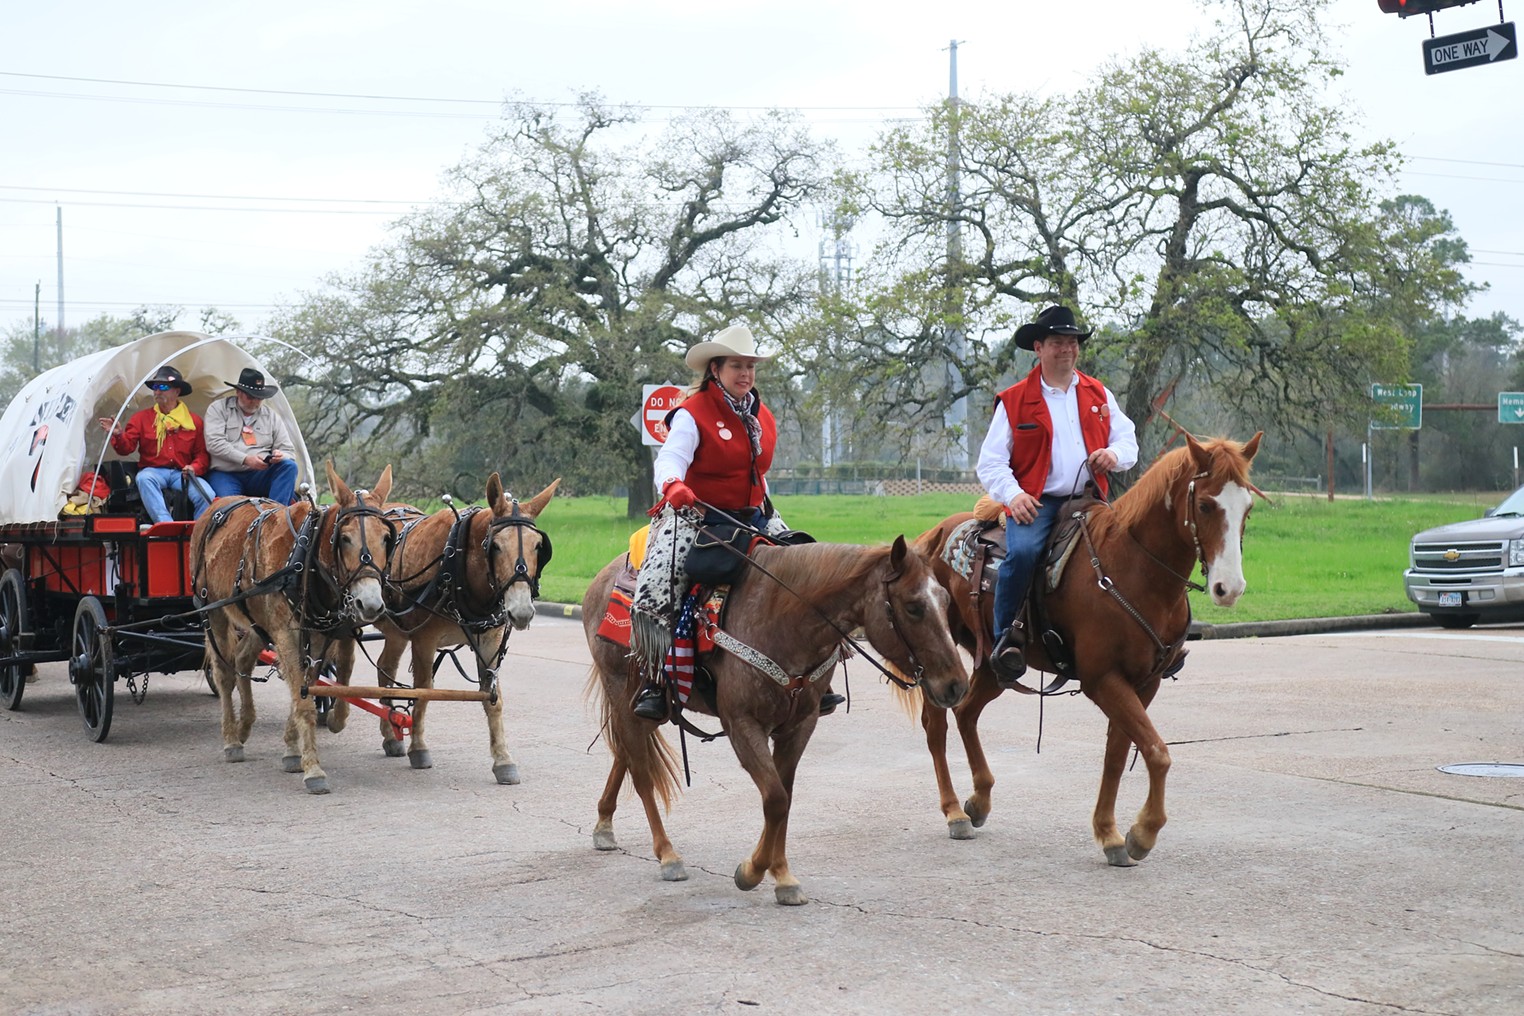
{"x": 975, "y": 550}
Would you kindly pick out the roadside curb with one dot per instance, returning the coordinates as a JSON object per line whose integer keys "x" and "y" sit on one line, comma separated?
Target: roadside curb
{"x": 1309, "y": 626}
{"x": 1238, "y": 630}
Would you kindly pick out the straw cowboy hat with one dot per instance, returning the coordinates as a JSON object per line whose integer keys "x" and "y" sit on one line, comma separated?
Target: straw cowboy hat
{"x": 733, "y": 341}
{"x": 252, "y": 383}
{"x": 168, "y": 375}
{"x": 1053, "y": 321}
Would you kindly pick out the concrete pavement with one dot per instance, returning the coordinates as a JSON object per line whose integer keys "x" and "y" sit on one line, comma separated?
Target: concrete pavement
{"x": 1316, "y": 861}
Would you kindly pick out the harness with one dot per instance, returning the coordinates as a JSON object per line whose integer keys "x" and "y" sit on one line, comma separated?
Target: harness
{"x": 447, "y": 594}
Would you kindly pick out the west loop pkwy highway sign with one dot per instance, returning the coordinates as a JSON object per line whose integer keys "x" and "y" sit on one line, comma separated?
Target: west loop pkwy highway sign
{"x": 1403, "y": 406}
{"x": 1468, "y": 49}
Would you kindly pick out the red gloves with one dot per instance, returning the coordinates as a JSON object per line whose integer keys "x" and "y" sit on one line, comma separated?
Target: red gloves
{"x": 679, "y": 494}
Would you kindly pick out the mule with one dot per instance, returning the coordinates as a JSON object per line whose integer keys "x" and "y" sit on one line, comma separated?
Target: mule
{"x": 1124, "y": 616}
{"x": 794, "y": 620}
{"x": 459, "y": 578}
{"x": 304, "y": 577}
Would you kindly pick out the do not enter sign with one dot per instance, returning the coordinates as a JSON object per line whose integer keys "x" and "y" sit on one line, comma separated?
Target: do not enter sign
{"x": 656, "y": 402}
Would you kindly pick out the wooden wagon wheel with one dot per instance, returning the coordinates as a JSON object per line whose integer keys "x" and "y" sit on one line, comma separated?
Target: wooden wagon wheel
{"x": 12, "y": 637}
{"x": 92, "y": 668}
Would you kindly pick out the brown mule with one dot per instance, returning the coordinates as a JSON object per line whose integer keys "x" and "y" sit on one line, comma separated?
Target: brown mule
{"x": 305, "y": 576}
{"x": 888, "y": 591}
{"x": 1191, "y": 506}
{"x": 489, "y": 584}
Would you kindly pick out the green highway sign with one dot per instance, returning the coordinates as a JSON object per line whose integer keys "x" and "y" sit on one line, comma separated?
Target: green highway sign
{"x": 1510, "y": 407}
{"x": 1403, "y": 405}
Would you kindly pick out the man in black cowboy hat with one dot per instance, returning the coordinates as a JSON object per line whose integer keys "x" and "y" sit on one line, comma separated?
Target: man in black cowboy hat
{"x": 171, "y": 444}
{"x": 1052, "y": 431}
{"x": 250, "y": 444}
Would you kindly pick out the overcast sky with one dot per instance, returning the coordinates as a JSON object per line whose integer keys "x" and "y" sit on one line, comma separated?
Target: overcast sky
{"x": 232, "y": 194}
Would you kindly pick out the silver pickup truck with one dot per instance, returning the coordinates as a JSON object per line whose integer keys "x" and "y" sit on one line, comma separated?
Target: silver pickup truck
{"x": 1471, "y": 571}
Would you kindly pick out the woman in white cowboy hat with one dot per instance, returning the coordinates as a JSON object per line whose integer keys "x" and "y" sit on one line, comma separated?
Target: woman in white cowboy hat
{"x": 712, "y": 469}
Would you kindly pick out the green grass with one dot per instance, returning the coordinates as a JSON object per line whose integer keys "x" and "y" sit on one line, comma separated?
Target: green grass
{"x": 1303, "y": 556}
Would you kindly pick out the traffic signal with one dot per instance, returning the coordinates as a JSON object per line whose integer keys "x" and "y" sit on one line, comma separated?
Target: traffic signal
{"x": 1408, "y": 8}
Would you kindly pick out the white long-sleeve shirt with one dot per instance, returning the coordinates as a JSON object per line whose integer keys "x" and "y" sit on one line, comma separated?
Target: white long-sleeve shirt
{"x": 1068, "y": 470}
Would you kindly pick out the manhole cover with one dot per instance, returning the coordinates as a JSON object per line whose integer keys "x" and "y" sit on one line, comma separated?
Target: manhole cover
{"x": 1484, "y": 769}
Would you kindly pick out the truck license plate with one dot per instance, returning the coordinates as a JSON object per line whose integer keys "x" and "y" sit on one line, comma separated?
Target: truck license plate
{"x": 1453, "y": 599}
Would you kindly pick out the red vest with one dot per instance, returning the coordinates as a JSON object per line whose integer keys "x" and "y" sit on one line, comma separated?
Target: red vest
{"x": 722, "y": 472}
{"x": 1032, "y": 446}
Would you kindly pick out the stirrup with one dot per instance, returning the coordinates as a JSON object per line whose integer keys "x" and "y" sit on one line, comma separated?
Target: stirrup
{"x": 1007, "y": 660}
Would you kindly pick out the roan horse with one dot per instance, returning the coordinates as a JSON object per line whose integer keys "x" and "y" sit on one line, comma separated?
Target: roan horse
{"x": 1121, "y": 605}
{"x": 459, "y": 578}
{"x": 302, "y": 576}
{"x": 795, "y": 617}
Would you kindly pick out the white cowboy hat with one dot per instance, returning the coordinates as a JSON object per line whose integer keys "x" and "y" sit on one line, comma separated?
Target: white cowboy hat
{"x": 733, "y": 341}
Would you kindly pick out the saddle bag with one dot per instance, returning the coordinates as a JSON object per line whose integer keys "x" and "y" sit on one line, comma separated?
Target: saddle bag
{"x": 718, "y": 555}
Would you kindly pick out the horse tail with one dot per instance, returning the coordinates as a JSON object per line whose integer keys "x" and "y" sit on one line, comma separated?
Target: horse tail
{"x": 640, "y": 746}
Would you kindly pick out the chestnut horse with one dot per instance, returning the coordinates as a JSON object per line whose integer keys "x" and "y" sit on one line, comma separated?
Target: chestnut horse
{"x": 459, "y": 578}
{"x": 794, "y": 618}
{"x": 302, "y": 576}
{"x": 1121, "y": 605}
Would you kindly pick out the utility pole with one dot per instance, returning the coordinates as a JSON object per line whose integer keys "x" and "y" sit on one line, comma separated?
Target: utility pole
{"x": 60, "y": 274}
{"x": 835, "y": 255}
{"x": 36, "y": 325}
{"x": 956, "y": 419}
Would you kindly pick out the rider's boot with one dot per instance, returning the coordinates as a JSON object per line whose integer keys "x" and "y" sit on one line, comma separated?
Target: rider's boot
{"x": 651, "y": 702}
{"x": 1007, "y": 659}
{"x": 829, "y": 701}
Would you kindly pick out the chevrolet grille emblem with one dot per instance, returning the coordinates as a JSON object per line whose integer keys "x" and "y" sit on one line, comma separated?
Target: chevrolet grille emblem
{"x": 1452, "y": 554}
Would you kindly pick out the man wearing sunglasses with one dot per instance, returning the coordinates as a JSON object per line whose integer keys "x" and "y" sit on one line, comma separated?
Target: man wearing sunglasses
{"x": 171, "y": 444}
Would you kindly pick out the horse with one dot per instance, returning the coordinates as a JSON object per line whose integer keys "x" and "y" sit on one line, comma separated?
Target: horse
{"x": 303, "y": 577}
{"x": 789, "y": 615}
{"x": 459, "y": 578}
{"x": 1121, "y": 606}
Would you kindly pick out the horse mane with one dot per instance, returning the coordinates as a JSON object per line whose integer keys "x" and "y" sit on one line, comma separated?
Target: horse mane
{"x": 827, "y": 568}
{"x": 1226, "y": 464}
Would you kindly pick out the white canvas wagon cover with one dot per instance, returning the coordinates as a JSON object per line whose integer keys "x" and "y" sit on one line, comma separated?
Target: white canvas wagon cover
{"x": 49, "y": 434}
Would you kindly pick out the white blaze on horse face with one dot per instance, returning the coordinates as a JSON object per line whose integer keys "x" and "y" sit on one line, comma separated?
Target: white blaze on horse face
{"x": 1225, "y": 572}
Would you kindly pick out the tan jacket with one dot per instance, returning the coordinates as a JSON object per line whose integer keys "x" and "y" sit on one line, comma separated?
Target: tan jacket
{"x": 224, "y": 435}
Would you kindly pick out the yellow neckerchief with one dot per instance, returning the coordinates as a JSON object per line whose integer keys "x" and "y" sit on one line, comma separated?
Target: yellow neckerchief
{"x": 178, "y": 418}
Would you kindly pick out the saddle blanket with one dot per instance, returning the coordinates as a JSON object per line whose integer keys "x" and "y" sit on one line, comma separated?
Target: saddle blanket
{"x": 615, "y": 625}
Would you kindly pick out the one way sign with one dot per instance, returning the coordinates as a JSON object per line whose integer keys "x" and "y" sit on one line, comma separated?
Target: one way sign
{"x": 1467, "y": 49}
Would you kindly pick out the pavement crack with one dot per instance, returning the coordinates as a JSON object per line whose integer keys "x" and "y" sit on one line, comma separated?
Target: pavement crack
{"x": 1279, "y": 733}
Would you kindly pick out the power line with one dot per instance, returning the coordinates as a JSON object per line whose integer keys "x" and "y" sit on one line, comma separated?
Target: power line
{"x": 205, "y": 208}
{"x": 212, "y": 197}
{"x": 409, "y": 98}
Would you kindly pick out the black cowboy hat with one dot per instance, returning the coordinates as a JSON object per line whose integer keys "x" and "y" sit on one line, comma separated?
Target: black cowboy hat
{"x": 252, "y": 383}
{"x": 170, "y": 375}
{"x": 1053, "y": 321}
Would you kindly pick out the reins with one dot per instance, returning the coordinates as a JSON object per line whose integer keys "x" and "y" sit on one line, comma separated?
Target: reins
{"x": 846, "y": 636}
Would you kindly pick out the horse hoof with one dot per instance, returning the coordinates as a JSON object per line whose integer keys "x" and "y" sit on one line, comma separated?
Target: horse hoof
{"x": 233, "y": 753}
{"x": 744, "y": 882}
{"x": 1118, "y": 857}
{"x": 960, "y": 829}
{"x": 673, "y": 871}
{"x": 316, "y": 784}
{"x": 393, "y": 748}
{"x": 420, "y": 759}
{"x": 1135, "y": 850}
{"x": 790, "y": 895}
{"x": 603, "y": 839}
{"x": 506, "y": 773}
{"x": 291, "y": 763}
{"x": 335, "y": 722}
{"x": 976, "y": 813}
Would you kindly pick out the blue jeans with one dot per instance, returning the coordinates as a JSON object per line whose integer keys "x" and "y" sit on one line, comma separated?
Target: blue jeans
{"x": 153, "y": 481}
{"x": 278, "y": 483}
{"x": 1023, "y": 546}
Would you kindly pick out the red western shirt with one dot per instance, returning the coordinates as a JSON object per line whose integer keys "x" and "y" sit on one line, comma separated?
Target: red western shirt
{"x": 1032, "y": 446}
